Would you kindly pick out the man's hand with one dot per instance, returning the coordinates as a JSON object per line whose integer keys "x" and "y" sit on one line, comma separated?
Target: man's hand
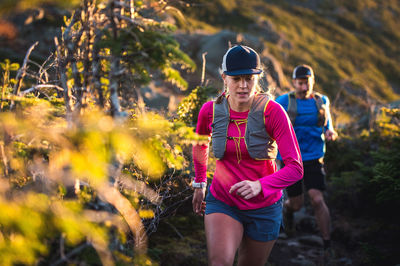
{"x": 199, "y": 205}
{"x": 246, "y": 189}
{"x": 331, "y": 135}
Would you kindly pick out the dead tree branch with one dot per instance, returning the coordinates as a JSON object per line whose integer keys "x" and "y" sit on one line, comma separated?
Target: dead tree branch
{"x": 21, "y": 74}
{"x": 40, "y": 86}
{"x": 63, "y": 81}
{"x": 74, "y": 252}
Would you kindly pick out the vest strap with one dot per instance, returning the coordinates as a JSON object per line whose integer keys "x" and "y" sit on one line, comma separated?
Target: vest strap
{"x": 322, "y": 115}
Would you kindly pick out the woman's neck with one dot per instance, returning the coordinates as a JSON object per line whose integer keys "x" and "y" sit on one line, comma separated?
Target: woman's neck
{"x": 240, "y": 106}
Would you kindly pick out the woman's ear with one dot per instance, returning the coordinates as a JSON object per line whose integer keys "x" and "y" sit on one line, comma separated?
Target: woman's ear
{"x": 224, "y": 79}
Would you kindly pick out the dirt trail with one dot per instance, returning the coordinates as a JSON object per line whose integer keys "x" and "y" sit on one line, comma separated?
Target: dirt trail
{"x": 305, "y": 246}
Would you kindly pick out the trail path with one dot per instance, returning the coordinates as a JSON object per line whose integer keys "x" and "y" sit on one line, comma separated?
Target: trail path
{"x": 305, "y": 247}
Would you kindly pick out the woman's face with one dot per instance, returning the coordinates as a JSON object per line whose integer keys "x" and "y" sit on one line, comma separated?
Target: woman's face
{"x": 241, "y": 88}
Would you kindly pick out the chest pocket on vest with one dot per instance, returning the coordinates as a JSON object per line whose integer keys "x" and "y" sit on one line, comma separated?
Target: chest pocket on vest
{"x": 256, "y": 145}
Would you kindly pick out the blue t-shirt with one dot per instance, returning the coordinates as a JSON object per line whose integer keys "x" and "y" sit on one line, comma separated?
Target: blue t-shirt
{"x": 311, "y": 137}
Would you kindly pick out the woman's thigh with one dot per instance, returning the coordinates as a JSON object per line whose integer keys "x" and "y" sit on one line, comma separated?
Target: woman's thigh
{"x": 224, "y": 235}
{"x": 252, "y": 252}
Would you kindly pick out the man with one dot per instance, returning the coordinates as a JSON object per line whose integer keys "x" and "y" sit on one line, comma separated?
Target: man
{"x": 310, "y": 116}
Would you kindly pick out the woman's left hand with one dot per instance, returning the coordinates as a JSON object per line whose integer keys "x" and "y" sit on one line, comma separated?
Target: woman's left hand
{"x": 246, "y": 189}
{"x": 199, "y": 205}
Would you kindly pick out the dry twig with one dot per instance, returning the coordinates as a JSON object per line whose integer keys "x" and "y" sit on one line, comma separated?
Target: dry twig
{"x": 21, "y": 74}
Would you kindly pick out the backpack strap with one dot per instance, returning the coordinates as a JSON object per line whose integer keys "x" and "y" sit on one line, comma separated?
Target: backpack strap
{"x": 322, "y": 112}
{"x": 220, "y": 127}
{"x": 292, "y": 106}
{"x": 259, "y": 143}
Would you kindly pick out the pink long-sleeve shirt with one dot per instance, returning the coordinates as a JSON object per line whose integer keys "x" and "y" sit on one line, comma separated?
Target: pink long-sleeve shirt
{"x": 237, "y": 165}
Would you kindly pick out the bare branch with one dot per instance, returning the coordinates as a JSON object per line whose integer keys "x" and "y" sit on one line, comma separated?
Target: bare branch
{"x": 64, "y": 85}
{"x": 139, "y": 187}
{"x": 114, "y": 69}
{"x": 34, "y": 63}
{"x": 43, "y": 70}
{"x": 87, "y": 22}
{"x": 4, "y": 157}
{"x": 203, "y": 71}
{"x": 143, "y": 22}
{"x": 104, "y": 254}
{"x": 104, "y": 217}
{"x": 40, "y": 86}
{"x": 122, "y": 204}
{"x": 113, "y": 87}
{"x": 74, "y": 252}
{"x": 77, "y": 85}
{"x": 35, "y": 76}
{"x": 96, "y": 67}
{"x": 175, "y": 230}
{"x": 132, "y": 9}
{"x": 62, "y": 241}
{"x": 21, "y": 73}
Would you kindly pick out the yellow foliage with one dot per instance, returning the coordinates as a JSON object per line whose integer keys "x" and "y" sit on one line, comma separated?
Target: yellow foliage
{"x": 148, "y": 160}
{"x": 146, "y": 214}
{"x": 39, "y": 146}
{"x": 124, "y": 144}
{"x": 151, "y": 124}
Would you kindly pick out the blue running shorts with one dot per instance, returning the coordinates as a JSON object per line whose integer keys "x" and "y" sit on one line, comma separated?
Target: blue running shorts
{"x": 259, "y": 224}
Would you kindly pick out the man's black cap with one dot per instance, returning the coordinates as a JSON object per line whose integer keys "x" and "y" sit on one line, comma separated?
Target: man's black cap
{"x": 302, "y": 71}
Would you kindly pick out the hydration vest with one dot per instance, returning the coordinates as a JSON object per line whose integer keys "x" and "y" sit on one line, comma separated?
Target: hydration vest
{"x": 259, "y": 144}
{"x": 321, "y": 107}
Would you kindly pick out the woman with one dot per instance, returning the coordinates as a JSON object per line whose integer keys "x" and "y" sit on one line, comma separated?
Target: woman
{"x": 243, "y": 208}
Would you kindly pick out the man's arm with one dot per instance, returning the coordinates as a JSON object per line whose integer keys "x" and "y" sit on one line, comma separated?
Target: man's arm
{"x": 330, "y": 133}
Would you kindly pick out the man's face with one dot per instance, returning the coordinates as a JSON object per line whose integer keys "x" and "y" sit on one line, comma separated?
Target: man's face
{"x": 304, "y": 87}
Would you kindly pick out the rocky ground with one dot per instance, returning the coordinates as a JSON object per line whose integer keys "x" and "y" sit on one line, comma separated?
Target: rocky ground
{"x": 305, "y": 247}
{"x": 181, "y": 241}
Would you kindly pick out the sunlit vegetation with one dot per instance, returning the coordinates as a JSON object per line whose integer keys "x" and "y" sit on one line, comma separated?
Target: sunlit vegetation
{"x": 189, "y": 108}
{"x": 86, "y": 176}
{"x": 19, "y": 5}
{"x": 54, "y": 176}
{"x": 362, "y": 51}
{"x": 365, "y": 178}
{"x": 87, "y": 172}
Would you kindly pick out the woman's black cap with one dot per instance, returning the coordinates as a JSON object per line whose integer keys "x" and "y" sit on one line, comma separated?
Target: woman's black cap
{"x": 241, "y": 60}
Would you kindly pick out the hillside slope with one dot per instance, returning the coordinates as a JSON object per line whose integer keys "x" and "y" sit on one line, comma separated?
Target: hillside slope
{"x": 352, "y": 45}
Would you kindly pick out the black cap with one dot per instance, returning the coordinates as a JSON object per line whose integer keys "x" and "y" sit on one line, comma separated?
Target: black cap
{"x": 241, "y": 60}
{"x": 302, "y": 71}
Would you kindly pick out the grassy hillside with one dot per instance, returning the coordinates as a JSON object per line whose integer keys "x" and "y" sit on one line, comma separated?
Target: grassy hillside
{"x": 352, "y": 45}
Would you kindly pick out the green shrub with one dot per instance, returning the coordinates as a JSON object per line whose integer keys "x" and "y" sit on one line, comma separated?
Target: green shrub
{"x": 365, "y": 170}
{"x": 189, "y": 108}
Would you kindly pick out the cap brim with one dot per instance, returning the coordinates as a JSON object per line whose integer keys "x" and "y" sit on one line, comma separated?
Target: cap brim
{"x": 302, "y": 77}
{"x": 243, "y": 72}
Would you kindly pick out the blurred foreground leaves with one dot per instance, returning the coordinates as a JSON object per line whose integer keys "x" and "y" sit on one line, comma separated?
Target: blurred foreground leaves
{"x": 81, "y": 180}
{"x": 88, "y": 184}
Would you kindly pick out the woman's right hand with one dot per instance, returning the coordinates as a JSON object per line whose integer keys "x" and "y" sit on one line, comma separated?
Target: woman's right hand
{"x": 199, "y": 205}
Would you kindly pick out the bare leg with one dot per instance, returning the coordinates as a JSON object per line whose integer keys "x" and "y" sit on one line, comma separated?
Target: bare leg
{"x": 291, "y": 205}
{"x": 321, "y": 212}
{"x": 294, "y": 204}
{"x": 252, "y": 252}
{"x": 224, "y": 235}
